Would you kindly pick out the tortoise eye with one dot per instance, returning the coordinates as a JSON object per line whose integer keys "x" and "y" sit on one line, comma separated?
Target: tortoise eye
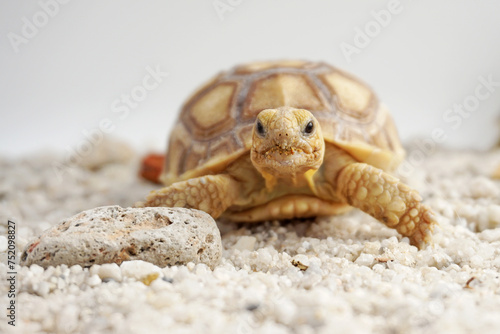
{"x": 260, "y": 128}
{"x": 309, "y": 127}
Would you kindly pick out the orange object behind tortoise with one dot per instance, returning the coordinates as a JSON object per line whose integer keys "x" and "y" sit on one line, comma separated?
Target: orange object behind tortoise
{"x": 152, "y": 166}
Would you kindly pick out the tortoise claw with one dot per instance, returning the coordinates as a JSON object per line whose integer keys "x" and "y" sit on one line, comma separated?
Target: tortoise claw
{"x": 418, "y": 225}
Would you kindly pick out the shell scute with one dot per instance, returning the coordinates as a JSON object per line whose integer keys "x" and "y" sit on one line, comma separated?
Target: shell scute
{"x": 212, "y": 111}
{"x": 215, "y": 124}
{"x": 283, "y": 89}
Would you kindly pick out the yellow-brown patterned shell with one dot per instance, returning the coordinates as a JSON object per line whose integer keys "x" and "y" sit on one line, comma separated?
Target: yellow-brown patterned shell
{"x": 215, "y": 124}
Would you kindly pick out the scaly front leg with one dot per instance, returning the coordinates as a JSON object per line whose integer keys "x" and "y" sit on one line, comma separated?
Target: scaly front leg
{"x": 212, "y": 194}
{"x": 387, "y": 199}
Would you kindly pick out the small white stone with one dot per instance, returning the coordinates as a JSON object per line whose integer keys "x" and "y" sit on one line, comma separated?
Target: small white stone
{"x": 202, "y": 270}
{"x": 494, "y": 215}
{"x": 301, "y": 250}
{"x": 245, "y": 243}
{"x": 3, "y": 244}
{"x": 160, "y": 285}
{"x": 222, "y": 274}
{"x": 74, "y": 289}
{"x": 302, "y": 258}
{"x": 43, "y": 288}
{"x": 311, "y": 279}
{"x": 365, "y": 260}
{"x": 482, "y": 186}
{"x": 477, "y": 261}
{"x": 61, "y": 283}
{"x": 264, "y": 257}
{"x": 285, "y": 311}
{"x": 94, "y": 270}
{"x": 36, "y": 269}
{"x": 93, "y": 281}
{"x": 371, "y": 248}
{"x": 190, "y": 266}
{"x": 67, "y": 319}
{"x": 441, "y": 260}
{"x": 110, "y": 270}
{"x": 138, "y": 269}
{"x": 75, "y": 269}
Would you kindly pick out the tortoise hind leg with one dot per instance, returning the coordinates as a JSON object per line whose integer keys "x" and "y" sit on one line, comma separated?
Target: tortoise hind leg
{"x": 387, "y": 199}
{"x": 211, "y": 193}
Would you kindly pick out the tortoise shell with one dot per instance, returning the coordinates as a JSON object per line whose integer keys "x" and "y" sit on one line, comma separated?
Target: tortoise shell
{"x": 215, "y": 124}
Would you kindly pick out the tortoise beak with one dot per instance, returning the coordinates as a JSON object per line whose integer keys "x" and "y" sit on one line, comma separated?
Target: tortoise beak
{"x": 280, "y": 145}
{"x": 286, "y": 156}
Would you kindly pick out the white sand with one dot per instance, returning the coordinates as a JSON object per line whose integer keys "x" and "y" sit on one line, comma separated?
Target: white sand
{"x": 361, "y": 277}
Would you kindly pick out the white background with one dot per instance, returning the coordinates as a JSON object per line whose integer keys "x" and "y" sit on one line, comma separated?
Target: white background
{"x": 66, "y": 77}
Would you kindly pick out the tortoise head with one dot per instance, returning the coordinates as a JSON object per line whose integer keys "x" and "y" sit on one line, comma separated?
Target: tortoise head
{"x": 286, "y": 142}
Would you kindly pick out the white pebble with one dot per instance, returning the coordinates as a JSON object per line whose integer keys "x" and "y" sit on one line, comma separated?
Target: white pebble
{"x": 75, "y": 269}
{"x": 138, "y": 269}
{"x": 442, "y": 260}
{"x": 285, "y": 311}
{"x": 43, "y": 288}
{"x": 483, "y": 187}
{"x": 477, "y": 261}
{"x": 365, "y": 260}
{"x": 3, "y": 244}
{"x": 494, "y": 215}
{"x": 302, "y": 259}
{"x": 93, "y": 281}
{"x": 110, "y": 270}
{"x": 245, "y": 243}
{"x": 264, "y": 256}
{"x": 67, "y": 319}
{"x": 36, "y": 269}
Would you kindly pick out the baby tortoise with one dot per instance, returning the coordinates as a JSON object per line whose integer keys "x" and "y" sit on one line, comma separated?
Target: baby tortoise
{"x": 289, "y": 139}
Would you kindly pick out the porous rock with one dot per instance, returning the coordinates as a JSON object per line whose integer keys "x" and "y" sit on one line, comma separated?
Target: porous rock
{"x": 112, "y": 234}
